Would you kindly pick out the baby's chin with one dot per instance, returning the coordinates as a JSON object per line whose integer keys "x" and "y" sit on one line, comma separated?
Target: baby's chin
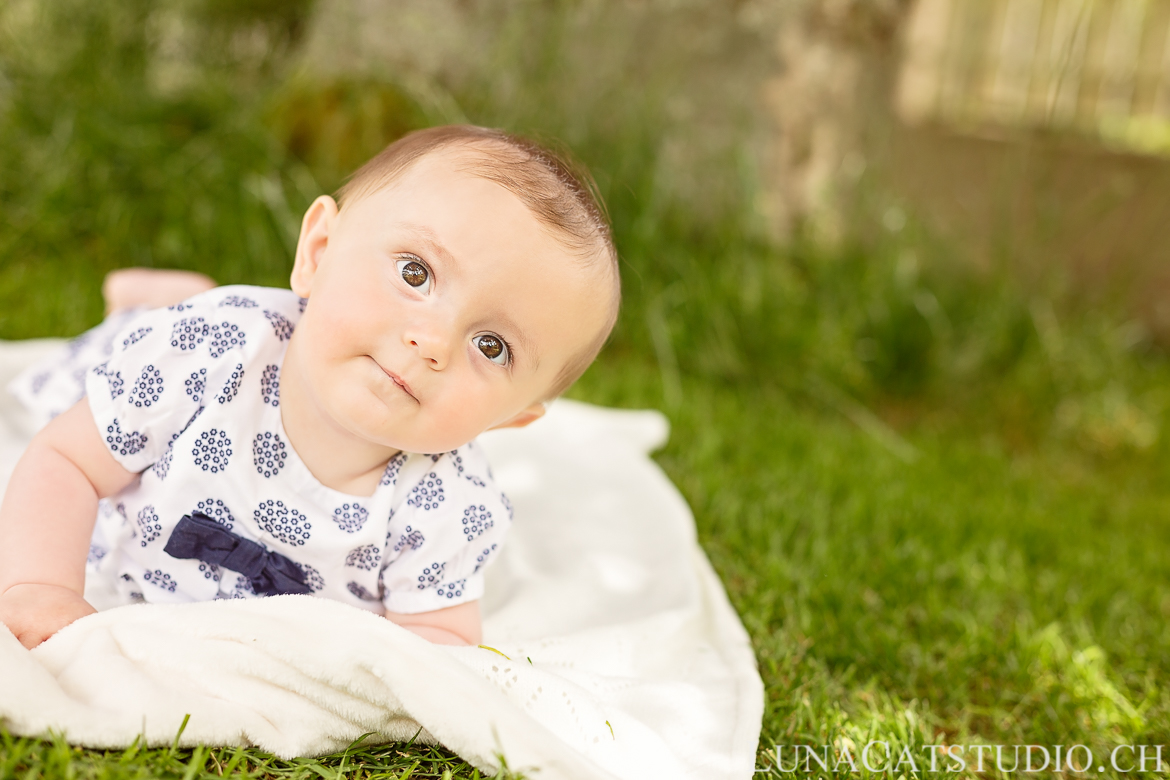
{"x": 423, "y": 443}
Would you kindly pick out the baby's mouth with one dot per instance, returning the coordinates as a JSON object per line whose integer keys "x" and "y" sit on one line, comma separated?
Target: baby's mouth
{"x": 398, "y": 381}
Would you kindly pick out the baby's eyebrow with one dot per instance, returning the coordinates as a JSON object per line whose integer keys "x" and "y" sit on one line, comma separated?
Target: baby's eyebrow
{"x": 527, "y": 348}
{"x": 433, "y": 244}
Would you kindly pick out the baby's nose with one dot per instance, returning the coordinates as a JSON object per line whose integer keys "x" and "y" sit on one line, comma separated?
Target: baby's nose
{"x": 432, "y": 345}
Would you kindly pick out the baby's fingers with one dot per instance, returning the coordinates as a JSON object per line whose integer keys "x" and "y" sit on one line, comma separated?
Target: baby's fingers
{"x": 33, "y": 613}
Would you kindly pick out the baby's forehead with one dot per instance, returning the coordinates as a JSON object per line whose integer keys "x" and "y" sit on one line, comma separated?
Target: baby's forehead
{"x": 566, "y": 207}
{"x": 460, "y": 158}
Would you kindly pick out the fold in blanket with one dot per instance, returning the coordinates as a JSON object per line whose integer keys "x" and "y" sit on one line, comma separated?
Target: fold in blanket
{"x": 614, "y": 651}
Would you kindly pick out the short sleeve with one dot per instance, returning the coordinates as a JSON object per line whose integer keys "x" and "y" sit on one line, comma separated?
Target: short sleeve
{"x": 449, "y": 527}
{"x": 156, "y": 378}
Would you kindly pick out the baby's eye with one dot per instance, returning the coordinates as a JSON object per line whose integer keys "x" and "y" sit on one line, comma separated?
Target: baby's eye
{"x": 415, "y": 274}
{"x": 493, "y": 348}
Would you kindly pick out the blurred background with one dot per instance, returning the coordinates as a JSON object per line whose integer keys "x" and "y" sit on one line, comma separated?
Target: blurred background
{"x": 947, "y": 209}
{"x": 897, "y": 271}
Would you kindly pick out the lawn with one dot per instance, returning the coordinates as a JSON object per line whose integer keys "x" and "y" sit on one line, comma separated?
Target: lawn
{"x": 938, "y": 499}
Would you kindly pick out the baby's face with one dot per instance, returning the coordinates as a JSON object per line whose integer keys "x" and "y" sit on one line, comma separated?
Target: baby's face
{"x": 439, "y": 307}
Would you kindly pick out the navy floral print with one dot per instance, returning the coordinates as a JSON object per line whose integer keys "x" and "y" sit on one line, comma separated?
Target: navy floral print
{"x": 428, "y": 493}
{"x": 366, "y": 557}
{"x": 124, "y": 443}
{"x": 188, "y": 333}
{"x": 285, "y": 523}
{"x": 212, "y": 450}
{"x": 178, "y": 392}
{"x": 280, "y": 325}
{"x": 135, "y": 337}
{"x": 147, "y": 388}
{"x": 350, "y": 517}
{"x": 270, "y": 385}
{"x": 268, "y": 454}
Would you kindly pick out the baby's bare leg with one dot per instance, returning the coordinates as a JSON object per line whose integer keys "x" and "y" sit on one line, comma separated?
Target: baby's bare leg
{"x": 152, "y": 288}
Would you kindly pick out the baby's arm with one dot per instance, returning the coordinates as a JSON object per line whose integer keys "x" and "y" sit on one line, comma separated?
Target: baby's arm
{"x": 458, "y": 625}
{"x": 46, "y": 522}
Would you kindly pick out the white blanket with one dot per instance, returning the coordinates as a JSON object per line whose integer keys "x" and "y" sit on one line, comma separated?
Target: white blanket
{"x": 619, "y": 655}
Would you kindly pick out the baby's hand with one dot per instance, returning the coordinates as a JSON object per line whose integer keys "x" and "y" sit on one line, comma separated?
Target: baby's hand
{"x": 34, "y": 612}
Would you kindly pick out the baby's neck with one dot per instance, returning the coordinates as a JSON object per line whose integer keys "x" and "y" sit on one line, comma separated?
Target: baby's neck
{"x": 337, "y": 458}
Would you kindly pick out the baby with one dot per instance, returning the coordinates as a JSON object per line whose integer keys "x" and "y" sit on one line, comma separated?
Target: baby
{"x": 252, "y": 441}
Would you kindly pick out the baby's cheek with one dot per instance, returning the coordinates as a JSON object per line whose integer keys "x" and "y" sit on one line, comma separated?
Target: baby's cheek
{"x": 460, "y": 421}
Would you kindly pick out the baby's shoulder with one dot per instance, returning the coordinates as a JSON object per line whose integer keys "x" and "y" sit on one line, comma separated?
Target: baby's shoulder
{"x": 455, "y": 478}
{"x": 241, "y": 320}
{"x": 245, "y": 304}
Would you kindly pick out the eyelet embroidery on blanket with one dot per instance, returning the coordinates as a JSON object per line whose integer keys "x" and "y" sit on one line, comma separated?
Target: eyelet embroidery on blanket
{"x": 350, "y": 517}
{"x": 188, "y": 332}
{"x": 225, "y": 336}
{"x": 367, "y": 557}
{"x": 268, "y": 454}
{"x": 476, "y": 520}
{"x": 195, "y": 384}
{"x": 359, "y": 591}
{"x": 232, "y": 386}
{"x": 428, "y": 493}
{"x": 160, "y": 579}
{"x": 181, "y": 307}
{"x": 124, "y": 443}
{"x": 135, "y": 337}
{"x": 285, "y": 523}
{"x": 217, "y": 510}
{"x": 210, "y": 571}
{"x": 270, "y": 385}
{"x": 95, "y": 553}
{"x": 212, "y": 450}
{"x": 280, "y": 325}
{"x": 147, "y": 388}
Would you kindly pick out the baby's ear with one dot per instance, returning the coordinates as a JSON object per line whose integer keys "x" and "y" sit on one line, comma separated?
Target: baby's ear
{"x": 315, "y": 229}
{"x": 522, "y": 418}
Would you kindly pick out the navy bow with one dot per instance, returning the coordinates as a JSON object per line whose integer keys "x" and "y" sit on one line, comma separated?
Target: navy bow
{"x": 270, "y": 573}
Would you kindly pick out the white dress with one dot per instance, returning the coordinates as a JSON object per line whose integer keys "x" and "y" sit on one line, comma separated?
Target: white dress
{"x": 190, "y": 397}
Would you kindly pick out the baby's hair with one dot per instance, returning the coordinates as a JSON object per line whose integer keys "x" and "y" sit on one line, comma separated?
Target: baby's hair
{"x": 559, "y": 192}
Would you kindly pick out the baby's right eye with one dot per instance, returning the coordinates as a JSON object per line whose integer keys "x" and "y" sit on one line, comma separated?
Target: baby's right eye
{"x": 415, "y": 274}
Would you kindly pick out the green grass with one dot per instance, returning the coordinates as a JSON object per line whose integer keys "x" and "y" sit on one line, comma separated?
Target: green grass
{"x": 937, "y": 498}
{"x": 57, "y": 758}
{"x": 970, "y": 596}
